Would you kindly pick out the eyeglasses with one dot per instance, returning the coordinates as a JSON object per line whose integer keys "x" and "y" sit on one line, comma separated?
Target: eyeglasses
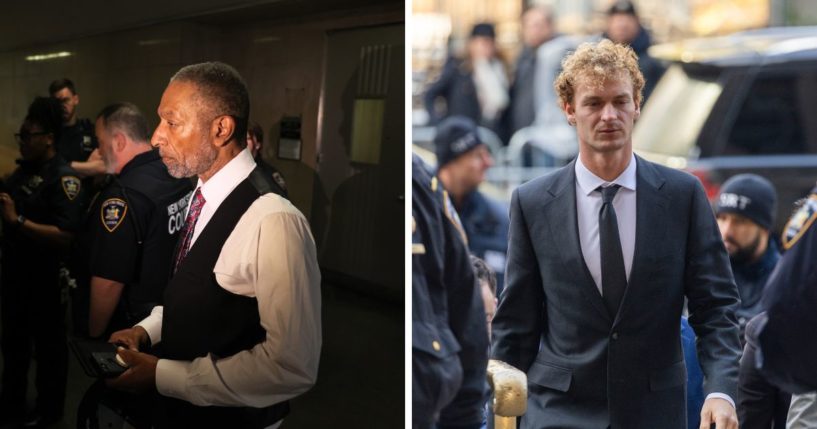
{"x": 26, "y": 136}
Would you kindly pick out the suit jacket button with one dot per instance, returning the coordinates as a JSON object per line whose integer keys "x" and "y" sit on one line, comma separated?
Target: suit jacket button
{"x": 436, "y": 346}
{"x": 615, "y": 335}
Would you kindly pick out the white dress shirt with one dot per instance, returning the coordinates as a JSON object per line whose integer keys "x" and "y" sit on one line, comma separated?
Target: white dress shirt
{"x": 588, "y": 205}
{"x": 271, "y": 256}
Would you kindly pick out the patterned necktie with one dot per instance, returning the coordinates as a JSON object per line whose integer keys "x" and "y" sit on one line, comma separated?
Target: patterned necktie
{"x": 189, "y": 226}
{"x": 613, "y": 276}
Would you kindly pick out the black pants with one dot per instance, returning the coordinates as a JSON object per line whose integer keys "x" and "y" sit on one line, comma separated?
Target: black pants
{"x": 33, "y": 313}
{"x": 153, "y": 411}
{"x": 760, "y": 404}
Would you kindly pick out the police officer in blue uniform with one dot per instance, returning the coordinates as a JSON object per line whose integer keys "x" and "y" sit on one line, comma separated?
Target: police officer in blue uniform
{"x": 41, "y": 208}
{"x": 133, "y": 224}
{"x": 77, "y": 140}
{"x": 449, "y": 337}
{"x": 462, "y": 160}
{"x": 785, "y": 333}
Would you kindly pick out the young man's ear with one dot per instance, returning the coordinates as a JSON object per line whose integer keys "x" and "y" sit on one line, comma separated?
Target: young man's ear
{"x": 223, "y": 129}
{"x": 570, "y": 113}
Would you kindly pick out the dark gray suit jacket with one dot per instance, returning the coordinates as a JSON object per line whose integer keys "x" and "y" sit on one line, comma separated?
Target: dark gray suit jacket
{"x": 587, "y": 368}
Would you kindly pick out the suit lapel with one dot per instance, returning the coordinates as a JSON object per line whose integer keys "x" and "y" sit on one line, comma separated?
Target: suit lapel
{"x": 563, "y": 224}
{"x": 650, "y": 228}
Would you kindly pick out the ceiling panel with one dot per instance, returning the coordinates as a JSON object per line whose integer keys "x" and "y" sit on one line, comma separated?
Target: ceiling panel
{"x": 36, "y": 22}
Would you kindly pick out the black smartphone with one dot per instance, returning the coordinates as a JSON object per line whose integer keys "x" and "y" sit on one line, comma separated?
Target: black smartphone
{"x": 106, "y": 363}
{"x": 97, "y": 358}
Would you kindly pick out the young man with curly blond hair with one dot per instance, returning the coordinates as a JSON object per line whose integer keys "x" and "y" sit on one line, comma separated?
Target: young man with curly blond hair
{"x": 601, "y": 255}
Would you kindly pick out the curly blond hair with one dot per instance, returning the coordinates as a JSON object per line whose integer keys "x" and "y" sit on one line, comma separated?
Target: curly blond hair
{"x": 593, "y": 63}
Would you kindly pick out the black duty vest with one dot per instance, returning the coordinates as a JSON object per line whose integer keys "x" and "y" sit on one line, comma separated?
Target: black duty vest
{"x": 201, "y": 317}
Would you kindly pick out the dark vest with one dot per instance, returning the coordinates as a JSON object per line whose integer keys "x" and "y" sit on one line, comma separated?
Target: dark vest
{"x": 200, "y": 317}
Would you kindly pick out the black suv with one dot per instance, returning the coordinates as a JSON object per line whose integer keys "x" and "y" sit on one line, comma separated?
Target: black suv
{"x": 736, "y": 104}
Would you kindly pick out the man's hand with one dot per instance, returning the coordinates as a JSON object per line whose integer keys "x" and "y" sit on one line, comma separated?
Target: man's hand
{"x": 9, "y": 210}
{"x": 141, "y": 373}
{"x": 132, "y": 338}
{"x": 720, "y": 412}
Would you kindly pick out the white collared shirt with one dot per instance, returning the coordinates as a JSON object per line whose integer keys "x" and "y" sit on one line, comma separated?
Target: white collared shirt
{"x": 588, "y": 205}
{"x": 220, "y": 186}
{"x": 270, "y": 255}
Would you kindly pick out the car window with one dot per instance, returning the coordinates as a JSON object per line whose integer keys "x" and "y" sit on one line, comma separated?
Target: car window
{"x": 672, "y": 120}
{"x": 770, "y": 120}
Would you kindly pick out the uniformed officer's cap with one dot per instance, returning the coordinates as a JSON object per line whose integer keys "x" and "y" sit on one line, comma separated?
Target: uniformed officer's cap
{"x": 748, "y": 195}
{"x": 455, "y": 136}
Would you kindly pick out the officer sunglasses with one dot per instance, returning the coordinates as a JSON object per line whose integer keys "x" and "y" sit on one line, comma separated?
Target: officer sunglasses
{"x": 26, "y": 136}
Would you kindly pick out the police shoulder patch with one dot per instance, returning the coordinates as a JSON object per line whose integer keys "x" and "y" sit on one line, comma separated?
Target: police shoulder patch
{"x": 71, "y": 186}
{"x": 112, "y": 213}
{"x": 800, "y": 222}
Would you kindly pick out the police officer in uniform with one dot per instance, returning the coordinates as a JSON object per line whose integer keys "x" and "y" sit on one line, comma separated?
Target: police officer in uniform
{"x": 785, "y": 333}
{"x": 41, "y": 209}
{"x": 449, "y": 334}
{"x": 133, "y": 223}
{"x": 77, "y": 141}
{"x": 462, "y": 160}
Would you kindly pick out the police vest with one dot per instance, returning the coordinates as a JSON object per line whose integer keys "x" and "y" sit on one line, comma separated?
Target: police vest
{"x": 200, "y": 317}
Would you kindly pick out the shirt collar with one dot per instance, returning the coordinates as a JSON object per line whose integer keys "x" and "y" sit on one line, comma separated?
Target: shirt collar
{"x": 216, "y": 190}
{"x": 588, "y": 182}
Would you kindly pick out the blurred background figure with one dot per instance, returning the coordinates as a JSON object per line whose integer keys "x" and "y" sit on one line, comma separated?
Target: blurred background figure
{"x": 77, "y": 143}
{"x": 534, "y": 107}
{"x": 41, "y": 210}
{"x": 255, "y": 142}
{"x": 486, "y": 283}
{"x": 538, "y": 27}
{"x": 475, "y": 86}
{"x": 624, "y": 26}
{"x": 486, "y": 279}
{"x": 462, "y": 160}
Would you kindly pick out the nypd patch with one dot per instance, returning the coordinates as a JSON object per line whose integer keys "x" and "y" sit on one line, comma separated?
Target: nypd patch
{"x": 113, "y": 212}
{"x": 71, "y": 186}
{"x": 800, "y": 222}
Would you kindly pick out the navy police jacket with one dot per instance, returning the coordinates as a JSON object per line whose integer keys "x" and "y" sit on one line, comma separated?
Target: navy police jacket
{"x": 449, "y": 333}
{"x": 486, "y": 224}
{"x": 786, "y": 332}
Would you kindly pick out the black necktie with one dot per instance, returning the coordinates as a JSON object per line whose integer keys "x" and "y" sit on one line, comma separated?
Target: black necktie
{"x": 613, "y": 276}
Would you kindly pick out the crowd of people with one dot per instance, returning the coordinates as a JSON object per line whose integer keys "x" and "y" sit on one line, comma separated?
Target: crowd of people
{"x": 180, "y": 247}
{"x": 601, "y": 260}
{"x": 519, "y": 99}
